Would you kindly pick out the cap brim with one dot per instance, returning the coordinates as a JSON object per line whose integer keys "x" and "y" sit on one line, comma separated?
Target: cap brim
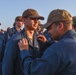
{"x": 39, "y": 17}
{"x": 46, "y": 25}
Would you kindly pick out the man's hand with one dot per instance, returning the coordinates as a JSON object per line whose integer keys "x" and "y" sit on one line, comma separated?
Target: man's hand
{"x": 23, "y": 44}
{"x": 42, "y": 38}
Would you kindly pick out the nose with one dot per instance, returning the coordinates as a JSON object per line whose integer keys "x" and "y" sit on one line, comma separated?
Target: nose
{"x": 35, "y": 20}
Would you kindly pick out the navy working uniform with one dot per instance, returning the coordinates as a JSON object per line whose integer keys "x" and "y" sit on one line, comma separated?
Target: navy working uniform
{"x": 1, "y": 49}
{"x": 49, "y": 42}
{"x": 58, "y": 59}
{"x": 10, "y": 33}
{"x": 12, "y": 58}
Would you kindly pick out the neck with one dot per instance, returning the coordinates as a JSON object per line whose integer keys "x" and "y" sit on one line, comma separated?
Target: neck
{"x": 17, "y": 28}
{"x": 29, "y": 33}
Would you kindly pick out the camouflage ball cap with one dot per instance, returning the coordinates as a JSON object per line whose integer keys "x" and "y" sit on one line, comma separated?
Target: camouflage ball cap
{"x": 57, "y": 15}
{"x": 32, "y": 14}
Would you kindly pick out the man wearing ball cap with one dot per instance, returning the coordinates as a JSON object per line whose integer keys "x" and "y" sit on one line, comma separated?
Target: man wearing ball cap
{"x": 59, "y": 58}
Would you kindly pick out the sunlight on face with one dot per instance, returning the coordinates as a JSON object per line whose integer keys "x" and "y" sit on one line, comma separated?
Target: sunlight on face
{"x": 31, "y": 23}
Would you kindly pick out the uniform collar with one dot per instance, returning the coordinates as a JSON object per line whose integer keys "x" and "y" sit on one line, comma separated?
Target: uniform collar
{"x": 69, "y": 33}
{"x": 35, "y": 42}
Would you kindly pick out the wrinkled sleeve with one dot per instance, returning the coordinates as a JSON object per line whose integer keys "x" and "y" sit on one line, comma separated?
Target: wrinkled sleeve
{"x": 46, "y": 65}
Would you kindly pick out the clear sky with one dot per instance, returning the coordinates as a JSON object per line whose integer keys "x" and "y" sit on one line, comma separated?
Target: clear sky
{"x": 9, "y": 9}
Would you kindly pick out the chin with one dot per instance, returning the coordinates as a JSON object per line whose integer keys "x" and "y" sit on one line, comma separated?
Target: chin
{"x": 35, "y": 28}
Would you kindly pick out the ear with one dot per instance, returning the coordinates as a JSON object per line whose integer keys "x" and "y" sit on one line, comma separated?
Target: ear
{"x": 61, "y": 26}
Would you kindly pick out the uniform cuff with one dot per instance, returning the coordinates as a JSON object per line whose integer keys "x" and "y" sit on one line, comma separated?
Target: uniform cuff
{"x": 24, "y": 54}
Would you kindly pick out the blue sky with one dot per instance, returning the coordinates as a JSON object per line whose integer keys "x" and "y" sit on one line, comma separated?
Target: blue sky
{"x": 9, "y": 9}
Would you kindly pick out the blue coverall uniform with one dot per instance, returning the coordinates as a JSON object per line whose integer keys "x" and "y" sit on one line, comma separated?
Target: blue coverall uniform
{"x": 10, "y": 33}
{"x": 1, "y": 50}
{"x": 12, "y": 58}
{"x": 58, "y": 59}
